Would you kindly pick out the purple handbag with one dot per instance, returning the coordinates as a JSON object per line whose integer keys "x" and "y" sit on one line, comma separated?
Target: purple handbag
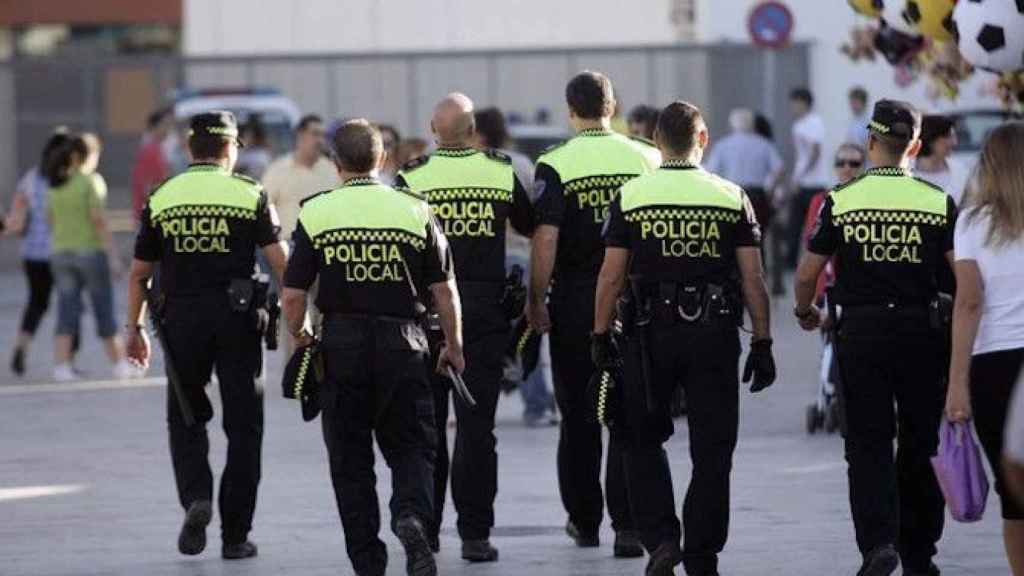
{"x": 960, "y": 473}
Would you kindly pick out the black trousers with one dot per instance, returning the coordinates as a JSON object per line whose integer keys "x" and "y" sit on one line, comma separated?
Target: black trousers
{"x": 474, "y": 460}
{"x": 580, "y": 442}
{"x": 994, "y": 376}
{"x": 703, "y": 359}
{"x": 376, "y": 384}
{"x": 40, "y": 284}
{"x": 204, "y": 334}
{"x": 893, "y": 361}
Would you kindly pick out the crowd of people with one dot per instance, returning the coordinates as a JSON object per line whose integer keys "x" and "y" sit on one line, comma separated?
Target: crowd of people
{"x": 585, "y": 239}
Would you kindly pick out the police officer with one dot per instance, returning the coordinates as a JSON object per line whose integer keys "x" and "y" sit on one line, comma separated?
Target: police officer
{"x": 203, "y": 227}
{"x": 889, "y": 234}
{"x": 688, "y": 244}
{"x": 576, "y": 182}
{"x": 376, "y": 252}
{"x": 474, "y": 195}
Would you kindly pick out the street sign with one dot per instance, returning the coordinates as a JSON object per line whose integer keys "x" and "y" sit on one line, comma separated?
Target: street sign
{"x": 770, "y": 24}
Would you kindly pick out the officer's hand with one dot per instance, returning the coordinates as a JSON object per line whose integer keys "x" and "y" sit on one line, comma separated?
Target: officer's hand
{"x": 958, "y": 402}
{"x": 137, "y": 347}
{"x": 603, "y": 350}
{"x": 812, "y": 320}
{"x": 303, "y": 339}
{"x": 760, "y": 365}
{"x": 451, "y": 356}
{"x": 537, "y": 314}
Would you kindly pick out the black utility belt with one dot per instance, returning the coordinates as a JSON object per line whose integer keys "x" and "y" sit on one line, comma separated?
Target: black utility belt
{"x": 673, "y": 303}
{"x": 937, "y": 313}
{"x": 341, "y": 317}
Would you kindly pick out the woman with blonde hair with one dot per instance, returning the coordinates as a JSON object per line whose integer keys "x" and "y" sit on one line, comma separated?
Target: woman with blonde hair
{"x": 988, "y": 317}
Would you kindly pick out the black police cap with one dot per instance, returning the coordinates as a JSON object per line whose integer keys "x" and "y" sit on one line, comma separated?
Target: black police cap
{"x": 897, "y": 119}
{"x": 215, "y": 123}
{"x": 302, "y": 379}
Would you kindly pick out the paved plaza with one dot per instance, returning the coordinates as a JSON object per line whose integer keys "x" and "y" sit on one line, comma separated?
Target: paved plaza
{"x": 86, "y": 486}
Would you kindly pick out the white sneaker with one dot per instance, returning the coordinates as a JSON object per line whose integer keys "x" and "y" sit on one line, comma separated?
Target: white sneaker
{"x": 64, "y": 373}
{"x": 125, "y": 370}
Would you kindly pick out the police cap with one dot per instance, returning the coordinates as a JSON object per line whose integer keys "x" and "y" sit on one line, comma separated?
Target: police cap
{"x": 215, "y": 123}
{"x": 302, "y": 378}
{"x": 896, "y": 119}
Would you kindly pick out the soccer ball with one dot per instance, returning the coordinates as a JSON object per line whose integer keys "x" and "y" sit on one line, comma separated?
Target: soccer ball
{"x": 866, "y": 7}
{"x": 990, "y": 33}
{"x": 932, "y": 18}
{"x": 896, "y": 14}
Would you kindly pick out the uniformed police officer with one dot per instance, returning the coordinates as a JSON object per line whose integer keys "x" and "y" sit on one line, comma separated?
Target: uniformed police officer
{"x": 474, "y": 195}
{"x": 688, "y": 242}
{"x": 889, "y": 234}
{"x": 203, "y": 227}
{"x": 376, "y": 252}
{"x": 576, "y": 182}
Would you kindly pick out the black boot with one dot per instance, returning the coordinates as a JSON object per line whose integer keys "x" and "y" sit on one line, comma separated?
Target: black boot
{"x": 239, "y": 551}
{"x": 18, "y": 361}
{"x": 627, "y": 545}
{"x": 583, "y": 540}
{"x": 192, "y": 538}
{"x": 881, "y": 561}
{"x": 479, "y": 551}
{"x": 664, "y": 560}
{"x": 419, "y": 559}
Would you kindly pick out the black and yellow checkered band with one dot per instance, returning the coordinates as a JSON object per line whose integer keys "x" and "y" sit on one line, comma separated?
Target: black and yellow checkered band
{"x": 890, "y": 171}
{"x": 469, "y": 193}
{"x": 683, "y": 164}
{"x": 361, "y": 181}
{"x": 455, "y": 152}
{"x": 879, "y": 127}
{"x": 683, "y": 213}
{"x": 890, "y": 216}
{"x": 217, "y": 131}
{"x": 204, "y": 210}
{"x": 590, "y": 183}
{"x": 368, "y": 235}
{"x": 594, "y": 132}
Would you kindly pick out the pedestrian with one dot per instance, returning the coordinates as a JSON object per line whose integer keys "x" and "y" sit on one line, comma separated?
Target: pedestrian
{"x": 538, "y": 402}
{"x": 84, "y": 254}
{"x": 988, "y": 315}
{"x": 860, "y": 115}
{"x": 151, "y": 166}
{"x": 29, "y": 218}
{"x": 749, "y": 160}
{"x": 410, "y": 149}
{"x": 475, "y": 195}
{"x": 692, "y": 297}
{"x": 889, "y": 234}
{"x": 375, "y": 249}
{"x": 810, "y": 174}
{"x": 642, "y": 121}
{"x": 934, "y": 163}
{"x": 203, "y": 227}
{"x": 576, "y": 182}
{"x": 292, "y": 178}
{"x": 391, "y": 138}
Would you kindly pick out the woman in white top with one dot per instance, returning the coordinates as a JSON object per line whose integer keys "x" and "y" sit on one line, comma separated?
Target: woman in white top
{"x": 938, "y": 139}
{"x": 988, "y": 318}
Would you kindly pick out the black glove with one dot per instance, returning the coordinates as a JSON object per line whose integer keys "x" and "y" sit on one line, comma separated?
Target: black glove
{"x": 603, "y": 350}
{"x": 760, "y": 365}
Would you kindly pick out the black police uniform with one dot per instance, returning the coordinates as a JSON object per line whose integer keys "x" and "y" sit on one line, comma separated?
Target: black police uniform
{"x": 682, "y": 226}
{"x": 203, "y": 227}
{"x": 474, "y": 195}
{"x": 375, "y": 251}
{"x": 575, "y": 183}
{"x": 889, "y": 234}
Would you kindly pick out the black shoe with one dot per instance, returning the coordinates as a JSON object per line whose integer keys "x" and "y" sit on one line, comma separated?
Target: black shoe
{"x": 932, "y": 570}
{"x": 18, "y": 362}
{"x": 664, "y": 560}
{"x": 239, "y": 551}
{"x": 627, "y": 545}
{"x": 419, "y": 558}
{"x": 435, "y": 543}
{"x": 882, "y": 561}
{"x": 192, "y": 538}
{"x": 583, "y": 540}
{"x": 479, "y": 551}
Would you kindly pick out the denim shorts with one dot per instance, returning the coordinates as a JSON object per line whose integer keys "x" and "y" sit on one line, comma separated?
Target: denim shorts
{"x": 75, "y": 273}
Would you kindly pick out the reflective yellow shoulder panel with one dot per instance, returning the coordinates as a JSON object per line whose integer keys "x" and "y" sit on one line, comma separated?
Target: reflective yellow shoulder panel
{"x": 366, "y": 208}
{"x": 888, "y": 193}
{"x": 612, "y": 154}
{"x": 207, "y": 192}
{"x": 694, "y": 187}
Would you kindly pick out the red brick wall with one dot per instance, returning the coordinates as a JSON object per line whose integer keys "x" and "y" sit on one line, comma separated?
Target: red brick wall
{"x": 18, "y": 12}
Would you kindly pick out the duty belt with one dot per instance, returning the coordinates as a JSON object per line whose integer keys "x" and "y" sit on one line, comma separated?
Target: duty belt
{"x": 671, "y": 302}
{"x": 345, "y": 316}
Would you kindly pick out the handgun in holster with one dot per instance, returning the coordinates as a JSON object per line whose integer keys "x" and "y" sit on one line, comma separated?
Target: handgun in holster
{"x": 513, "y": 299}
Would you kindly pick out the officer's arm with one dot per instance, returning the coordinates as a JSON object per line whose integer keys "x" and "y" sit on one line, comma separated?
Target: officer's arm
{"x": 140, "y": 273}
{"x": 293, "y": 303}
{"x": 610, "y": 283}
{"x": 277, "y": 257}
{"x": 807, "y": 274}
{"x": 542, "y": 261}
{"x": 522, "y": 218}
{"x": 299, "y": 275}
{"x": 823, "y": 242}
{"x": 755, "y": 291}
{"x": 449, "y": 308}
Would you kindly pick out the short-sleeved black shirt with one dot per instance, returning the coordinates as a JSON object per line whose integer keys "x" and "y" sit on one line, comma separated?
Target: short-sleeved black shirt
{"x": 375, "y": 250}
{"x": 889, "y": 234}
{"x": 204, "y": 226}
{"x": 683, "y": 225}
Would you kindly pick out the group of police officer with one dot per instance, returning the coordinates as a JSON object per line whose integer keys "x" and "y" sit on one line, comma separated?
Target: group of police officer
{"x": 642, "y": 266}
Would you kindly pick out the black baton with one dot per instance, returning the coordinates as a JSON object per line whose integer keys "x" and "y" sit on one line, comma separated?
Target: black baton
{"x": 173, "y": 378}
{"x": 460, "y": 387}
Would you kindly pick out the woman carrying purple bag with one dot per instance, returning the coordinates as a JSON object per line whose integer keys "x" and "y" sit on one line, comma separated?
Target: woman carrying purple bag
{"x": 988, "y": 317}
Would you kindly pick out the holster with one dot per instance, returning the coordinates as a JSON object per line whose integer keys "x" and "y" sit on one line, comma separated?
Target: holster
{"x": 513, "y": 298}
{"x": 641, "y": 322}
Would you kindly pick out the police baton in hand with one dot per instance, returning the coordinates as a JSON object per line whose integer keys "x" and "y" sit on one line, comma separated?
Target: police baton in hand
{"x": 460, "y": 387}
{"x": 156, "y": 310}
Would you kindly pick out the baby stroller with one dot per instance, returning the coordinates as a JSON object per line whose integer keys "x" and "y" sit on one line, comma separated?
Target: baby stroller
{"x": 826, "y": 411}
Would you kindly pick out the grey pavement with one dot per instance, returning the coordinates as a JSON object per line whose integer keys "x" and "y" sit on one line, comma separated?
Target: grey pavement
{"x": 86, "y": 486}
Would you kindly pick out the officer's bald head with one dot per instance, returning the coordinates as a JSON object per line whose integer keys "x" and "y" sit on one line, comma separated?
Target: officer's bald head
{"x": 358, "y": 146}
{"x": 453, "y": 122}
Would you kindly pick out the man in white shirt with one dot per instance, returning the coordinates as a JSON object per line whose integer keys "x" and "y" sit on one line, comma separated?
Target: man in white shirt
{"x": 857, "y": 132}
{"x": 810, "y": 174}
{"x": 296, "y": 176}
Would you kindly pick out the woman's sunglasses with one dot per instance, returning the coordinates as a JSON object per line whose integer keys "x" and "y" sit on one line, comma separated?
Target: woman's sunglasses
{"x": 846, "y": 163}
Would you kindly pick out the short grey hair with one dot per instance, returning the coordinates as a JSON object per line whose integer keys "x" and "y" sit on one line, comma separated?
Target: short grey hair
{"x": 742, "y": 120}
